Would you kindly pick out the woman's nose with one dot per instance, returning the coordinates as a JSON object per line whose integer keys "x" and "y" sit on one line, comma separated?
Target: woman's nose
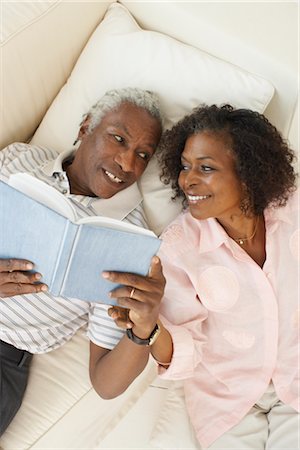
{"x": 190, "y": 178}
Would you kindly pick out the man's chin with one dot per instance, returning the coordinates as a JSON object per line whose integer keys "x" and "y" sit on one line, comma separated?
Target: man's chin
{"x": 110, "y": 191}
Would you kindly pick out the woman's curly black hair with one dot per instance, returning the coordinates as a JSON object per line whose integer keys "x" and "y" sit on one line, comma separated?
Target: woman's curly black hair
{"x": 263, "y": 158}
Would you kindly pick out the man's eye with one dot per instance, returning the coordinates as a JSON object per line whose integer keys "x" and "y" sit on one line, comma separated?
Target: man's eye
{"x": 118, "y": 138}
{"x": 144, "y": 156}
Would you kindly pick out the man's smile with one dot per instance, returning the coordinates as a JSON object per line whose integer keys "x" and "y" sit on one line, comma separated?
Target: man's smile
{"x": 113, "y": 177}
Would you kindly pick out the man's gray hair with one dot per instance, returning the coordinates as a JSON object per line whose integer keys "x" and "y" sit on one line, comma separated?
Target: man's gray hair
{"x": 112, "y": 99}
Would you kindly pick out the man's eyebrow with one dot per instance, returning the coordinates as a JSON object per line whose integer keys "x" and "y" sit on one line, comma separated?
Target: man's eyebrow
{"x": 121, "y": 126}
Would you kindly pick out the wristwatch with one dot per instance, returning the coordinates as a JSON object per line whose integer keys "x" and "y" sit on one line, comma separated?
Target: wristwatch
{"x": 149, "y": 341}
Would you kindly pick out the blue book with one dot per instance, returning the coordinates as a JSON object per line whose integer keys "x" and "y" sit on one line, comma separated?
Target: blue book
{"x": 39, "y": 226}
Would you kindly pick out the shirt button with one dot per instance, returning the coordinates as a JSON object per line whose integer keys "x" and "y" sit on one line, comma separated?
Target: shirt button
{"x": 64, "y": 191}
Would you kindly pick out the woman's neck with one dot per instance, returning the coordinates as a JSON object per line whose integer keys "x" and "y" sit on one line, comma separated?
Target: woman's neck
{"x": 239, "y": 226}
{"x": 249, "y": 234}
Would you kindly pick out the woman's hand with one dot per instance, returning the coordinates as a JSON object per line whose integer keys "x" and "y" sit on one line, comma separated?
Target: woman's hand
{"x": 15, "y": 278}
{"x": 138, "y": 303}
{"x": 138, "y": 299}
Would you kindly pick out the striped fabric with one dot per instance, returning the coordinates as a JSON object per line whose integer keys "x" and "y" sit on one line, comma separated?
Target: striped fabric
{"x": 40, "y": 322}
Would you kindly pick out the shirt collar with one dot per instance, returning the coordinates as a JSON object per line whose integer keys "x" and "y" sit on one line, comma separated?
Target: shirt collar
{"x": 215, "y": 237}
{"x": 273, "y": 215}
{"x": 214, "y": 234}
{"x": 56, "y": 165}
{"x": 119, "y": 205}
{"x": 116, "y": 207}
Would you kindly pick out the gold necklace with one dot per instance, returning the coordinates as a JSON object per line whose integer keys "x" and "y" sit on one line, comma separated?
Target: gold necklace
{"x": 241, "y": 241}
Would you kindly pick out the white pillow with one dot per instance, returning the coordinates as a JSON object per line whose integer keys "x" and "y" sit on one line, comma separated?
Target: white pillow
{"x": 121, "y": 54}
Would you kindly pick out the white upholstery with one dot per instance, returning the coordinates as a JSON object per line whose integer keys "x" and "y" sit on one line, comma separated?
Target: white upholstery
{"x": 61, "y": 408}
{"x": 120, "y": 53}
{"x": 40, "y": 44}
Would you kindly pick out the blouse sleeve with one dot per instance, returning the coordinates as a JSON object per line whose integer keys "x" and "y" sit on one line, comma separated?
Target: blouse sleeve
{"x": 183, "y": 315}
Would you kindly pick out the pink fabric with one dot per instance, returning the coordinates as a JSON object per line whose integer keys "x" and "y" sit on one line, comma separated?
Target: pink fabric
{"x": 235, "y": 326}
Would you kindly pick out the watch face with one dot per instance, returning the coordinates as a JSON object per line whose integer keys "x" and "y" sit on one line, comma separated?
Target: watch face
{"x": 154, "y": 335}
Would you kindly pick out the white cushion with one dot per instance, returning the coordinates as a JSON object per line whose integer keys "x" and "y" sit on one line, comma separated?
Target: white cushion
{"x": 173, "y": 428}
{"x": 61, "y": 410}
{"x": 121, "y": 54}
{"x": 37, "y": 55}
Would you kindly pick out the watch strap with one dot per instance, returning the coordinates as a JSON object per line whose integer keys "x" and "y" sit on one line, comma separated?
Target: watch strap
{"x": 139, "y": 341}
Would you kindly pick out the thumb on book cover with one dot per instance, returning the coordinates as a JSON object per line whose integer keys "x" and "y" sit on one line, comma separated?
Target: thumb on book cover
{"x": 155, "y": 270}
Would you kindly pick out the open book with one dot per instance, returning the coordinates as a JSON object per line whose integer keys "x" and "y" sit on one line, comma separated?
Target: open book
{"x": 38, "y": 224}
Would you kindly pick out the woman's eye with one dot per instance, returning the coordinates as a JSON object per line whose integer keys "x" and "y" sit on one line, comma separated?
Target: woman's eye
{"x": 118, "y": 138}
{"x": 184, "y": 167}
{"x": 206, "y": 168}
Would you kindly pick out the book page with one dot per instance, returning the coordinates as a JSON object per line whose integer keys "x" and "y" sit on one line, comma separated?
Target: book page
{"x": 43, "y": 193}
{"x": 33, "y": 231}
{"x": 115, "y": 224}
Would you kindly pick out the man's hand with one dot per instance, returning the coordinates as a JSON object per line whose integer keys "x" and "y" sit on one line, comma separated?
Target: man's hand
{"x": 15, "y": 278}
{"x": 139, "y": 297}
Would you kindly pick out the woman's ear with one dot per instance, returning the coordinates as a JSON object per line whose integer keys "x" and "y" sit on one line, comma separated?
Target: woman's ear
{"x": 246, "y": 201}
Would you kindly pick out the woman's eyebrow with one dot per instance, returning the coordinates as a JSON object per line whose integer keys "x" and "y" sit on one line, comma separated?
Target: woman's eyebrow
{"x": 200, "y": 158}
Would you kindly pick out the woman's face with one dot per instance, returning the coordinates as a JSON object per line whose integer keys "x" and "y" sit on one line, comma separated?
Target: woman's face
{"x": 208, "y": 177}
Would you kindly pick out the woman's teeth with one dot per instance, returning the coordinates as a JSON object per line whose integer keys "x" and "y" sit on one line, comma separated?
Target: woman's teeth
{"x": 195, "y": 198}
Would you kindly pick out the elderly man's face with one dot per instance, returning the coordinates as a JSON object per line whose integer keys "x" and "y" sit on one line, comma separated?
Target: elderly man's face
{"x": 116, "y": 153}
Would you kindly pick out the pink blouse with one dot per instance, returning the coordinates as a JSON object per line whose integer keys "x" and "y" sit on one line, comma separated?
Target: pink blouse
{"x": 234, "y": 325}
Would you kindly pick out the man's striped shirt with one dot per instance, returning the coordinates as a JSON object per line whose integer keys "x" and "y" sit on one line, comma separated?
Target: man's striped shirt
{"x": 40, "y": 322}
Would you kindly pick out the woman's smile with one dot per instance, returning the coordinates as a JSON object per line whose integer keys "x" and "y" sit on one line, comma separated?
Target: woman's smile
{"x": 208, "y": 176}
{"x": 194, "y": 199}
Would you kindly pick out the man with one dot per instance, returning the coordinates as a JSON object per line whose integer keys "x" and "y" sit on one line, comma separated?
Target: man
{"x": 117, "y": 138}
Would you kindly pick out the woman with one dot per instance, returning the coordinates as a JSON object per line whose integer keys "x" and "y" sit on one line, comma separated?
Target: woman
{"x": 229, "y": 317}
{"x": 230, "y": 263}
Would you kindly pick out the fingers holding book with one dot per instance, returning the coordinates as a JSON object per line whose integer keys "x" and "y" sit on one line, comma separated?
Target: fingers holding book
{"x": 16, "y": 278}
{"x": 138, "y": 288}
{"x": 140, "y": 296}
{"x": 120, "y": 316}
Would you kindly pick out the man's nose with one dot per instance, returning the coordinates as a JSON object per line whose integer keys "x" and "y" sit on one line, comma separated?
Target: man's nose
{"x": 126, "y": 160}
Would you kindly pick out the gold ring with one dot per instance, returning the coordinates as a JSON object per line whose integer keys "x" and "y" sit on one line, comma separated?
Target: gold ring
{"x": 132, "y": 292}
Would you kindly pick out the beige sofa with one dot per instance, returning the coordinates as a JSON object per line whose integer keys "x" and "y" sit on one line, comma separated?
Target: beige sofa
{"x": 40, "y": 44}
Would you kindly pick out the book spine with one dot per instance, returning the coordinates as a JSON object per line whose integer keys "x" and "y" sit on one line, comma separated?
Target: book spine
{"x": 71, "y": 254}
{"x": 63, "y": 257}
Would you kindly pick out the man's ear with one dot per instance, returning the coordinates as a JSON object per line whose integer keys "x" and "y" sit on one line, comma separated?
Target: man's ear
{"x": 83, "y": 130}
